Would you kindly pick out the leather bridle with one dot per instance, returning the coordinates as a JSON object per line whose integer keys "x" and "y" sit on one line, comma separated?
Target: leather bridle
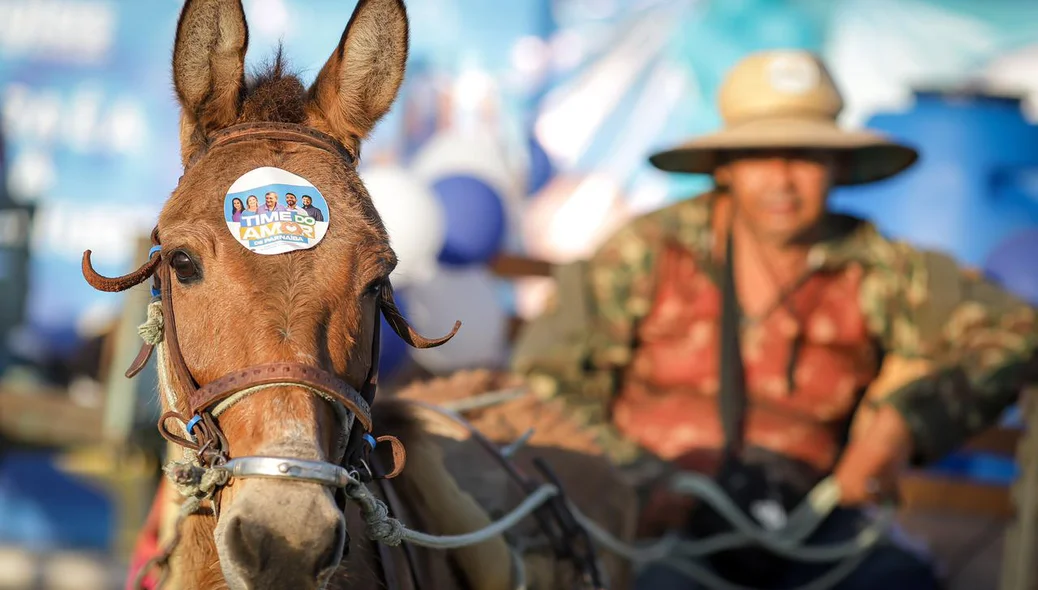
{"x": 205, "y": 402}
{"x": 356, "y": 460}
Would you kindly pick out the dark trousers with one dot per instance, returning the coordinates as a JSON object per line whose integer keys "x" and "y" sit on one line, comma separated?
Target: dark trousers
{"x": 887, "y": 566}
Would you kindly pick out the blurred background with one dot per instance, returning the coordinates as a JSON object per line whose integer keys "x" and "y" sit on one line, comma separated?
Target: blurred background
{"x": 522, "y": 131}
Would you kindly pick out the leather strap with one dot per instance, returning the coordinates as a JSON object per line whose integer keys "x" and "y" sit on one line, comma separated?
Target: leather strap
{"x": 396, "y": 509}
{"x": 732, "y": 400}
{"x": 140, "y": 361}
{"x": 183, "y": 374}
{"x": 272, "y": 132}
{"x": 371, "y": 383}
{"x": 399, "y": 455}
{"x": 214, "y": 392}
{"x": 388, "y": 563}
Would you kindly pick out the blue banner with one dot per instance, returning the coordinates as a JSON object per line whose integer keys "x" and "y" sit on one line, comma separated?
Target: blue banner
{"x": 90, "y": 120}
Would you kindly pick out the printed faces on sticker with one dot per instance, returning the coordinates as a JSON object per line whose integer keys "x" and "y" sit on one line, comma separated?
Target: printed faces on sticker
{"x": 272, "y": 211}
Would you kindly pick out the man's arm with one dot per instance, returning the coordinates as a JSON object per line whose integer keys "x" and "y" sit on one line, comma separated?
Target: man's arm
{"x": 574, "y": 351}
{"x": 981, "y": 340}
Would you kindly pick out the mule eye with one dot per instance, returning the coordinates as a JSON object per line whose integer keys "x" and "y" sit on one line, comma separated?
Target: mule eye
{"x": 182, "y": 264}
{"x": 374, "y": 288}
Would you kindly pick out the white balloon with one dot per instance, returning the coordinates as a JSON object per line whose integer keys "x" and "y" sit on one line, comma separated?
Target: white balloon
{"x": 467, "y": 294}
{"x": 413, "y": 217}
{"x": 572, "y": 215}
{"x": 479, "y": 155}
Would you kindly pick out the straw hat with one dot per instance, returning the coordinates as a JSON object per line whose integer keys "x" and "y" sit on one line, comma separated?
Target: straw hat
{"x": 787, "y": 99}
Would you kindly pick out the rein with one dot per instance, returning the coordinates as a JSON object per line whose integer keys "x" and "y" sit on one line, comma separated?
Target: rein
{"x": 569, "y": 539}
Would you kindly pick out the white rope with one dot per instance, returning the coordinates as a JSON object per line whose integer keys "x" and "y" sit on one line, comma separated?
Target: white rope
{"x": 518, "y": 569}
{"x": 168, "y": 392}
{"x": 195, "y": 484}
{"x": 346, "y": 417}
{"x": 671, "y": 545}
{"x": 386, "y": 529}
{"x": 486, "y": 400}
{"x": 680, "y": 555}
{"x": 637, "y": 553}
{"x": 223, "y": 406}
{"x": 151, "y": 330}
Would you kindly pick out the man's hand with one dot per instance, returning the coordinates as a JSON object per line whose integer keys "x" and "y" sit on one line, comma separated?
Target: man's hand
{"x": 874, "y": 459}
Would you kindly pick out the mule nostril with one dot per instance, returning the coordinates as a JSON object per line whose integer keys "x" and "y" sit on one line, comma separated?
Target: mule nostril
{"x": 247, "y": 543}
{"x": 284, "y": 544}
{"x": 330, "y": 557}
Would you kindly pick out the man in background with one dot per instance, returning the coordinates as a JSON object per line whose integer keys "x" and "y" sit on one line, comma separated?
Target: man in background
{"x": 737, "y": 334}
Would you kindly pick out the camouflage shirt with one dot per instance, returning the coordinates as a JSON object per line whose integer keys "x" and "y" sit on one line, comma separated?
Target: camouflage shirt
{"x": 917, "y": 305}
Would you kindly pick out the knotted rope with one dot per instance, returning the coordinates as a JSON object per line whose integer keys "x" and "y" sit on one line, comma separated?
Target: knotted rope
{"x": 151, "y": 330}
{"x": 194, "y": 482}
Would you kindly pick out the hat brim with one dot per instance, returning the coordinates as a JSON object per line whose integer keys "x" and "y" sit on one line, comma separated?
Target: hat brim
{"x": 869, "y": 156}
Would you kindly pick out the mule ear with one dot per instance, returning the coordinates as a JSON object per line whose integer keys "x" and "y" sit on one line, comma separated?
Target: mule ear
{"x": 209, "y": 68}
{"x": 360, "y": 81}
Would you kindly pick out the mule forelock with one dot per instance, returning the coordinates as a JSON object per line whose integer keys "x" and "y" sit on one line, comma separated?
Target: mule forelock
{"x": 274, "y": 94}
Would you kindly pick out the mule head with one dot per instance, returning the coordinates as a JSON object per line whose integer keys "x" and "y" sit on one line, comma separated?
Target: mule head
{"x": 317, "y": 306}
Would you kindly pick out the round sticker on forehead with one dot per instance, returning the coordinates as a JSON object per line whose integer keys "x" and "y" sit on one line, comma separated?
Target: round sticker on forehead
{"x": 272, "y": 211}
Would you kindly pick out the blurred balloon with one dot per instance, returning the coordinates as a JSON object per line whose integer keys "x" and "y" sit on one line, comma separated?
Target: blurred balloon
{"x": 541, "y": 168}
{"x": 572, "y": 215}
{"x": 972, "y": 186}
{"x": 466, "y": 294}
{"x": 475, "y": 220}
{"x": 393, "y": 351}
{"x": 567, "y": 221}
{"x": 479, "y": 155}
{"x": 413, "y": 217}
{"x": 1013, "y": 265}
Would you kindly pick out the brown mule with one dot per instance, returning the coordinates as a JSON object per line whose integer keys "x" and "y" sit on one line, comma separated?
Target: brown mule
{"x": 268, "y": 364}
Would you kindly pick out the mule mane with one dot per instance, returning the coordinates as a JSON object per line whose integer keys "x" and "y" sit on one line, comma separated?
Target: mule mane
{"x": 274, "y": 95}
